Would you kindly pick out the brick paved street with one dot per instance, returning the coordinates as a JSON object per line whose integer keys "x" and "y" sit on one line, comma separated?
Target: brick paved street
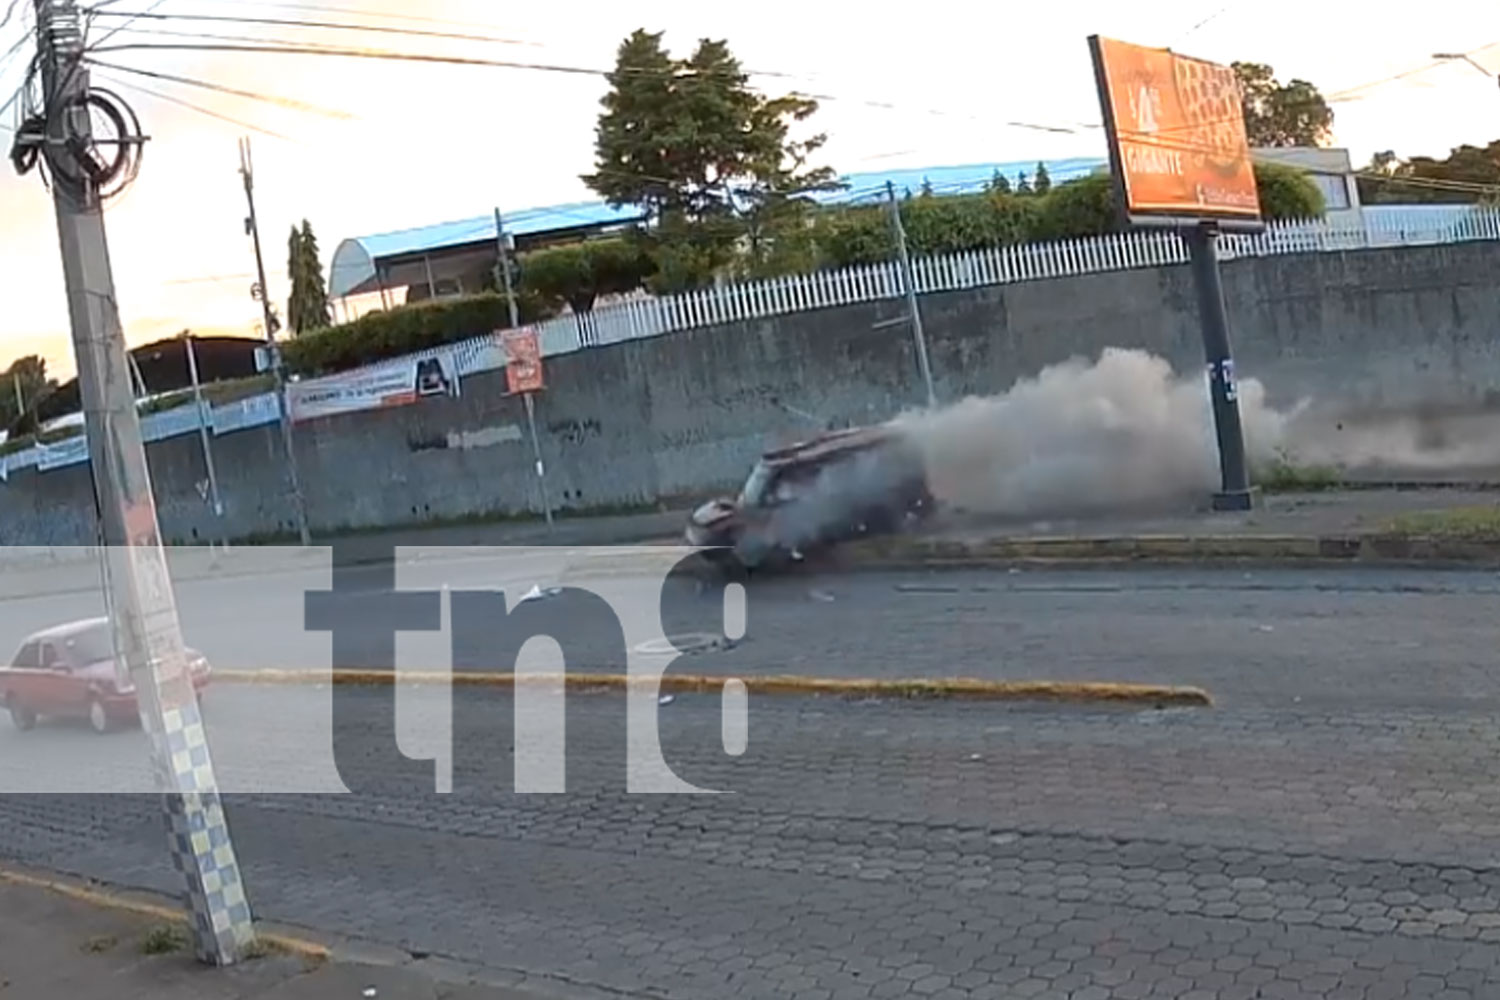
{"x": 1330, "y": 830}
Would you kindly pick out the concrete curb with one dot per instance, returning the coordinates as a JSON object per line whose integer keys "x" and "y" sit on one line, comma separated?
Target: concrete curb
{"x": 916, "y": 688}
{"x": 138, "y": 904}
{"x": 918, "y": 552}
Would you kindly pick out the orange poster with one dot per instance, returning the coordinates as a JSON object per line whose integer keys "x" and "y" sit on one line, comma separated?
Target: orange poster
{"x": 1177, "y": 133}
{"x": 523, "y": 365}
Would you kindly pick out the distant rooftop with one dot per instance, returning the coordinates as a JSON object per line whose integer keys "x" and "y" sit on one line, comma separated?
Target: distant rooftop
{"x": 358, "y": 261}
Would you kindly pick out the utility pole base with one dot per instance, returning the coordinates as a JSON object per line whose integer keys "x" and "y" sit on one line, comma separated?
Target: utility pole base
{"x": 1237, "y": 500}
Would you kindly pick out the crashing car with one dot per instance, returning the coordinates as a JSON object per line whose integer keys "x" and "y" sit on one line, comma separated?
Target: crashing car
{"x": 833, "y": 488}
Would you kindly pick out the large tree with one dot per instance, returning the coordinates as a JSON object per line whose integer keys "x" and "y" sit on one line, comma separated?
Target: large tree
{"x": 1467, "y": 174}
{"x": 1282, "y": 114}
{"x": 22, "y": 386}
{"x": 710, "y": 161}
{"x": 307, "y": 308}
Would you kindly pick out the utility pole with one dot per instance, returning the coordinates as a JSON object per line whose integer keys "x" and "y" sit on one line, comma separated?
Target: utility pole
{"x": 138, "y": 587}
{"x": 15, "y": 378}
{"x": 504, "y": 246}
{"x": 252, "y": 229}
{"x": 205, "y": 436}
{"x": 909, "y": 279}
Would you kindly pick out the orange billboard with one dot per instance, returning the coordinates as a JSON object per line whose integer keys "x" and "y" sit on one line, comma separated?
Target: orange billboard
{"x": 1176, "y": 133}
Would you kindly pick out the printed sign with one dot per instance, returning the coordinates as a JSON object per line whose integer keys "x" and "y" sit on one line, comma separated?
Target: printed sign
{"x": 394, "y": 383}
{"x": 523, "y": 365}
{"x": 1176, "y": 133}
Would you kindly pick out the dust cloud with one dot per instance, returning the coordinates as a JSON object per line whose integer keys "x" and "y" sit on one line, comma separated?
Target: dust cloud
{"x": 1085, "y": 437}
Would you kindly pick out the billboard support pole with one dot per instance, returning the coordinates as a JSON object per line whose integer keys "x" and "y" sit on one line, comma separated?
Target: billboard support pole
{"x": 1203, "y": 249}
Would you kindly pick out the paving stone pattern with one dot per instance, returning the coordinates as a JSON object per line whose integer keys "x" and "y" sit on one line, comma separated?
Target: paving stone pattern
{"x": 881, "y": 850}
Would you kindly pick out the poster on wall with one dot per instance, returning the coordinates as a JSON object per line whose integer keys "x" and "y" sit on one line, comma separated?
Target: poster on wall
{"x": 392, "y": 383}
{"x": 523, "y": 360}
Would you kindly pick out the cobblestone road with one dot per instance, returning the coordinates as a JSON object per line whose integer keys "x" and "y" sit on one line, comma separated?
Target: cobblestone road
{"x": 875, "y": 850}
{"x": 1330, "y": 830}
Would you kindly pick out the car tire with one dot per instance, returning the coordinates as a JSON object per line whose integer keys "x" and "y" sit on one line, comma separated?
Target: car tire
{"x": 21, "y": 717}
{"x": 99, "y": 718}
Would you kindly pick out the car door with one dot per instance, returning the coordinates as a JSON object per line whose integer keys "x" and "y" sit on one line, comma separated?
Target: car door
{"x": 58, "y": 689}
{"x": 22, "y": 679}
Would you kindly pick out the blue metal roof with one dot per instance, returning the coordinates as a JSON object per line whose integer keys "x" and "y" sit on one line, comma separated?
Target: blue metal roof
{"x": 354, "y": 262}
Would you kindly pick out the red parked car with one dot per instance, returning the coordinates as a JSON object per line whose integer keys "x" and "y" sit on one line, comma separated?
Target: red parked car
{"x": 69, "y": 672}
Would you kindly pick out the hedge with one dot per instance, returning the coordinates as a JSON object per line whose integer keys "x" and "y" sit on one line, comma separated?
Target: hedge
{"x": 405, "y": 330}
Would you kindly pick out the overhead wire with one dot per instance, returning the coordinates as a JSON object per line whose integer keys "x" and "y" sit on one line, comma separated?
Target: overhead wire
{"x": 285, "y": 102}
{"x": 193, "y": 106}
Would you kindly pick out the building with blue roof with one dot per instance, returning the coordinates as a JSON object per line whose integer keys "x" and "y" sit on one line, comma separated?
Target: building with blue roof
{"x": 453, "y": 257}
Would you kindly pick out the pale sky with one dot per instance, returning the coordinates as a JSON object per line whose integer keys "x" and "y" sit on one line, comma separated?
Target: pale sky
{"x": 430, "y": 143}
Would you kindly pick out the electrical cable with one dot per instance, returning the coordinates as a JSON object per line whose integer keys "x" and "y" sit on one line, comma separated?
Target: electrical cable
{"x": 198, "y": 108}
{"x": 286, "y": 102}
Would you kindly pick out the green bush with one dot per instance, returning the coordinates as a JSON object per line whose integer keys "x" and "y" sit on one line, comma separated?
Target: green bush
{"x": 1287, "y": 193}
{"x": 581, "y": 272}
{"x": 405, "y": 330}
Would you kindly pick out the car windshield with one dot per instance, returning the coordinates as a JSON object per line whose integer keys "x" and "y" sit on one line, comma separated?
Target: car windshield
{"x": 91, "y": 645}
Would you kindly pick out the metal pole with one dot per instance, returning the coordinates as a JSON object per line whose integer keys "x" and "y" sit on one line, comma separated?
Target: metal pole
{"x": 138, "y": 583}
{"x": 1203, "y": 248}
{"x": 515, "y": 323}
{"x": 909, "y": 278}
{"x": 298, "y": 502}
{"x": 206, "y": 438}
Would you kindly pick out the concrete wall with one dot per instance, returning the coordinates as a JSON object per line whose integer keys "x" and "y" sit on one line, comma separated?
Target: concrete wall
{"x": 630, "y": 424}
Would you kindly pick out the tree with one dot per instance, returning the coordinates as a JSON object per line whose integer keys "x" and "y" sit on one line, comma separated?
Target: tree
{"x": 578, "y": 274}
{"x": 307, "y": 308}
{"x": 1023, "y": 186}
{"x": 709, "y": 161}
{"x": 926, "y": 188}
{"x": 1467, "y": 175}
{"x": 1043, "y": 179}
{"x": 999, "y": 183}
{"x": 22, "y": 386}
{"x": 1277, "y": 114}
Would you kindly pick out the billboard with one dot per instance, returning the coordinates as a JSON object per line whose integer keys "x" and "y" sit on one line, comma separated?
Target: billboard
{"x": 393, "y": 383}
{"x": 523, "y": 364}
{"x": 1176, "y": 133}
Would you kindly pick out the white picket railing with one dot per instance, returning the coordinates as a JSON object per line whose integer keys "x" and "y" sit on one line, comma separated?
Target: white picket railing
{"x": 649, "y": 316}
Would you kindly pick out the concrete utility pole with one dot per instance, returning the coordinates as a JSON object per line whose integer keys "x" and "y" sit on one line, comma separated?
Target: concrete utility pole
{"x": 909, "y": 279}
{"x": 252, "y": 229}
{"x": 503, "y": 245}
{"x": 1234, "y": 476}
{"x": 138, "y": 585}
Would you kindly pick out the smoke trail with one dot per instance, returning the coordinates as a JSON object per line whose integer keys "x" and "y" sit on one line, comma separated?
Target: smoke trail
{"x": 1084, "y": 438}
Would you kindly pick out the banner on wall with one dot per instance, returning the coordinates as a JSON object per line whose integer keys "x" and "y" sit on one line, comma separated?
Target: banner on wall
{"x": 523, "y": 360}
{"x": 392, "y": 383}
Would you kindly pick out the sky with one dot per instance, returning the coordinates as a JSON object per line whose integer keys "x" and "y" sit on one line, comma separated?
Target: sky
{"x": 393, "y": 145}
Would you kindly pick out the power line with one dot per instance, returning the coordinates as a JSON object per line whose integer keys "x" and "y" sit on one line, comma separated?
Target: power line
{"x": 354, "y": 12}
{"x": 281, "y": 22}
{"x": 285, "y": 102}
{"x": 200, "y": 109}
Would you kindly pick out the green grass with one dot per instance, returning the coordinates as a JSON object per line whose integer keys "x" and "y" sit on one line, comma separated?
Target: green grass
{"x": 1286, "y": 475}
{"x": 1475, "y": 523}
{"x": 167, "y": 939}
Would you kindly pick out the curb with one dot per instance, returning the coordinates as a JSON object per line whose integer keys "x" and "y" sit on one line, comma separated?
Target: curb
{"x": 93, "y": 895}
{"x": 949, "y": 689}
{"x": 914, "y": 552}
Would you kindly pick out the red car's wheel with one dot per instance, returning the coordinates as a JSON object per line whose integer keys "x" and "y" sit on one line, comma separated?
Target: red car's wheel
{"x": 22, "y": 717}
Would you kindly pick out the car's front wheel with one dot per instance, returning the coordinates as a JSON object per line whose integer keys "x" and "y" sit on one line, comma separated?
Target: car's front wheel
{"x": 99, "y": 718}
{"x": 21, "y": 717}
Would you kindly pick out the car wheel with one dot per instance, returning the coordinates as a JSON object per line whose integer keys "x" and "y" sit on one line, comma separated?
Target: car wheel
{"x": 99, "y": 720}
{"x": 22, "y": 717}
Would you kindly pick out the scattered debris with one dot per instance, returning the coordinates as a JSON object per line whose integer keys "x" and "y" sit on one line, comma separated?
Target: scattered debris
{"x": 536, "y": 593}
{"x": 975, "y": 756}
{"x": 1266, "y": 628}
{"x": 822, "y": 595}
{"x": 370, "y": 993}
{"x": 666, "y": 699}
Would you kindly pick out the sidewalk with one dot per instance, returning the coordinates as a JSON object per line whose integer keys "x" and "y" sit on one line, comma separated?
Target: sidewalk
{"x": 1335, "y": 512}
{"x": 55, "y": 946}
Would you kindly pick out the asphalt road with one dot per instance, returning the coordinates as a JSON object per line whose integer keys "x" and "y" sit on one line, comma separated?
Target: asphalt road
{"x": 1341, "y": 636}
{"x": 1328, "y": 830}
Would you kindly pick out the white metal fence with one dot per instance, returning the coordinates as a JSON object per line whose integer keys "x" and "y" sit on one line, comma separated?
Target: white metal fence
{"x": 651, "y": 316}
